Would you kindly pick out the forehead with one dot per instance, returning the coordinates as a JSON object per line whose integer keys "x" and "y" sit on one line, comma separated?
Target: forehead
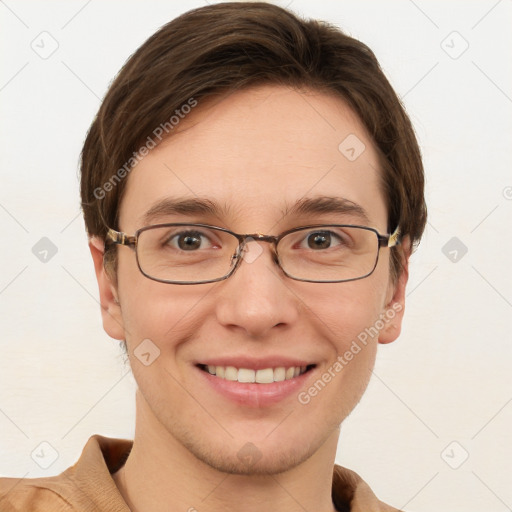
{"x": 257, "y": 152}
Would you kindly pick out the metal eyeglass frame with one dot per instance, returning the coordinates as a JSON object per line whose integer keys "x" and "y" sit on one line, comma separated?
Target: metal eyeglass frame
{"x": 114, "y": 237}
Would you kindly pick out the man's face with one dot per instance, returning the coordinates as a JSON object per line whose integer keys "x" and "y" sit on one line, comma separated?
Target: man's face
{"x": 254, "y": 155}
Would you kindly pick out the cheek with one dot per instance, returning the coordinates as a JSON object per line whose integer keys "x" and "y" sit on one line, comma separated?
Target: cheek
{"x": 343, "y": 326}
{"x": 164, "y": 313}
{"x": 353, "y": 340}
{"x": 345, "y": 310}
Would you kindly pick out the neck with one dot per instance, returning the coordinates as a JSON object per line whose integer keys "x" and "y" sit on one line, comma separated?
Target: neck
{"x": 161, "y": 475}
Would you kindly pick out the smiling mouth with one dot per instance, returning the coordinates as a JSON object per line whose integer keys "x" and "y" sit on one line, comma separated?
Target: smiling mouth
{"x": 263, "y": 376}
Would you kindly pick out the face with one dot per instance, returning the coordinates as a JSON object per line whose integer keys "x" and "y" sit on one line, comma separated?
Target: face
{"x": 254, "y": 156}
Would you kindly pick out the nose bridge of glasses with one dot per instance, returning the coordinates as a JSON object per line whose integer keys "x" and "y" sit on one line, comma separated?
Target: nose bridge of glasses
{"x": 247, "y": 253}
{"x": 259, "y": 237}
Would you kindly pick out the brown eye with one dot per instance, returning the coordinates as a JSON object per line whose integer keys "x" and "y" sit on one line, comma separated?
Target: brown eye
{"x": 189, "y": 241}
{"x": 320, "y": 240}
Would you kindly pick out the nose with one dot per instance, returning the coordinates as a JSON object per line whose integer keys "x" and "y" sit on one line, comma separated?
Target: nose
{"x": 256, "y": 298}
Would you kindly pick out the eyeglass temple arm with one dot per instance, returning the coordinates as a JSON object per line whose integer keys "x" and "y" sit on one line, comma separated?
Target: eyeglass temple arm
{"x": 120, "y": 238}
{"x": 390, "y": 240}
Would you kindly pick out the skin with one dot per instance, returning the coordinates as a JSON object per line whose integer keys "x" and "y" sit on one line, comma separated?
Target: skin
{"x": 256, "y": 151}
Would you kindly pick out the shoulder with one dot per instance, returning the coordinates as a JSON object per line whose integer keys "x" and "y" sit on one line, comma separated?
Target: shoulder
{"x": 85, "y": 486}
{"x": 34, "y": 494}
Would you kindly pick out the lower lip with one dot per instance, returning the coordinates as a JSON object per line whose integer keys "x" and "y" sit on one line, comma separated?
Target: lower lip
{"x": 255, "y": 395}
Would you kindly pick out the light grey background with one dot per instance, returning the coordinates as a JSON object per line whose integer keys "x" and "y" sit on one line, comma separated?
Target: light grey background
{"x": 441, "y": 393}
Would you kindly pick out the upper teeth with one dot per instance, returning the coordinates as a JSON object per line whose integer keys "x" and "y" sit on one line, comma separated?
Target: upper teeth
{"x": 264, "y": 376}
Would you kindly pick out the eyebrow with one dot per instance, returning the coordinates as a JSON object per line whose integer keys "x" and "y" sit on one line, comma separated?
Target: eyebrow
{"x": 327, "y": 205}
{"x": 185, "y": 206}
{"x": 304, "y": 206}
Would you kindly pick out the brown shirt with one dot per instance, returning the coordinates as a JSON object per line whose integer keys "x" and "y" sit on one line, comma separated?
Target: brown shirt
{"x": 87, "y": 486}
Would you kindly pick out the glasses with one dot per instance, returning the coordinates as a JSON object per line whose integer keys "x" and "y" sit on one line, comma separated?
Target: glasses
{"x": 200, "y": 253}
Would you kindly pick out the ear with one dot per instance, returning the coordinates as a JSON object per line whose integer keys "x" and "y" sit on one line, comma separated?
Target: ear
{"x": 395, "y": 300}
{"x": 110, "y": 307}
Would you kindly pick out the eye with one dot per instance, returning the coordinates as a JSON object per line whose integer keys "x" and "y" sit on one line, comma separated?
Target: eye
{"x": 319, "y": 240}
{"x": 189, "y": 241}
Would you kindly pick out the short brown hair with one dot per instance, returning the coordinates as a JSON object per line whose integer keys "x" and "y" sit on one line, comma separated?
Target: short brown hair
{"x": 217, "y": 49}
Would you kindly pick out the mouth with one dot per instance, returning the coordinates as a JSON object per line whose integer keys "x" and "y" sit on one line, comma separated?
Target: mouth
{"x": 255, "y": 387}
{"x": 259, "y": 376}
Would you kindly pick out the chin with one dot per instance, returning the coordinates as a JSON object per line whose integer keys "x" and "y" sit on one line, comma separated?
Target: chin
{"x": 276, "y": 451}
{"x": 249, "y": 460}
